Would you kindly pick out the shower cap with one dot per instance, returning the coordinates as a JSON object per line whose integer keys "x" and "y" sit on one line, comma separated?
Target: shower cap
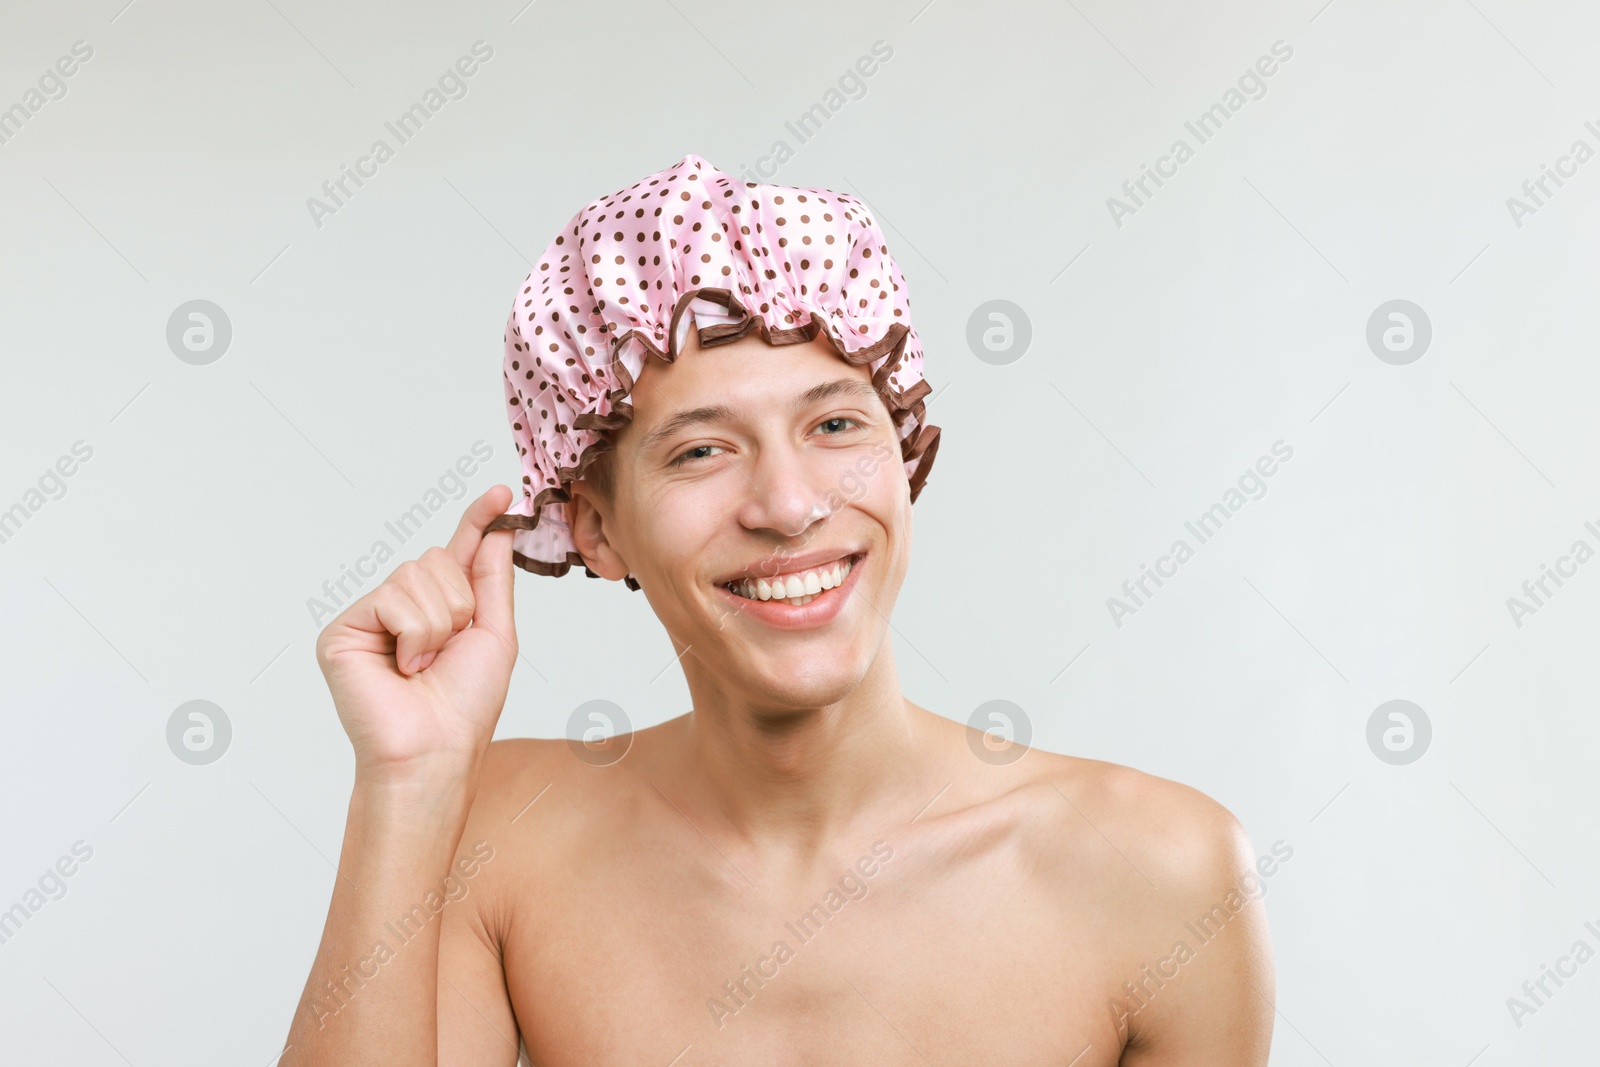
{"x": 688, "y": 248}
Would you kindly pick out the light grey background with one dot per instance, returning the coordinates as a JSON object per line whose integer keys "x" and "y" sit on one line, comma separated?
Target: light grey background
{"x": 1167, "y": 354}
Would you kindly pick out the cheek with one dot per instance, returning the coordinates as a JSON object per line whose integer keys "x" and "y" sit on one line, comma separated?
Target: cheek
{"x": 673, "y": 523}
{"x": 885, "y": 496}
{"x": 886, "y": 484}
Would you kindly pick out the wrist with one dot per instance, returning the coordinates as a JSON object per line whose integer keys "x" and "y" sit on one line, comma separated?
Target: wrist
{"x": 422, "y": 792}
{"x": 430, "y": 771}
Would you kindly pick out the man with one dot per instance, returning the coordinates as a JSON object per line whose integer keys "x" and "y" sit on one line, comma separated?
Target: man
{"x": 805, "y": 868}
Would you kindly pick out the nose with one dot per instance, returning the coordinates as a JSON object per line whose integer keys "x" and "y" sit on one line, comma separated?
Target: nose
{"x": 783, "y": 494}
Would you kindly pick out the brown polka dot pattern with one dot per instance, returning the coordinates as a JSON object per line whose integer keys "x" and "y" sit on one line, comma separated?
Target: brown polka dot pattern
{"x": 690, "y": 248}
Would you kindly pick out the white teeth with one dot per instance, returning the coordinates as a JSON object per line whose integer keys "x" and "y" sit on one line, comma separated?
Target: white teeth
{"x": 794, "y": 589}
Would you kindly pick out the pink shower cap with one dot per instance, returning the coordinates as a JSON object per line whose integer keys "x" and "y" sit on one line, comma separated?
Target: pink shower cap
{"x": 690, "y": 248}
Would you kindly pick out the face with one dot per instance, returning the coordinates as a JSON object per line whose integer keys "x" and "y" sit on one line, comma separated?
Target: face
{"x": 750, "y": 461}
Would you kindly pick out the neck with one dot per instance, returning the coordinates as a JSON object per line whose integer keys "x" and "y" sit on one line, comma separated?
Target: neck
{"x": 797, "y": 780}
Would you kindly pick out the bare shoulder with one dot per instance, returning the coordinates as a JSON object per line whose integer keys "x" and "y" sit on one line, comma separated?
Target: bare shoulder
{"x": 513, "y": 775}
{"x": 1094, "y": 816}
{"x": 517, "y": 824}
{"x": 511, "y": 767}
{"x": 1173, "y": 877}
{"x": 515, "y": 783}
{"x": 538, "y": 793}
{"x": 1179, "y": 836}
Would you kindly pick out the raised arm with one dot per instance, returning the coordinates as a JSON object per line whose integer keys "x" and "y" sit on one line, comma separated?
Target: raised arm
{"x": 418, "y": 669}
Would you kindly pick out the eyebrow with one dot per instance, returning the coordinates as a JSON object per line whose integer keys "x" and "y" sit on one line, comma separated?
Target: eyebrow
{"x": 839, "y": 388}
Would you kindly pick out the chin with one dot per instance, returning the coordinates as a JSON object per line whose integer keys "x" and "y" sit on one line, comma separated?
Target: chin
{"x": 784, "y": 684}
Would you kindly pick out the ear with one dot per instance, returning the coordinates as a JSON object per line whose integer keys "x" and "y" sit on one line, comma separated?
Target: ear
{"x": 586, "y": 514}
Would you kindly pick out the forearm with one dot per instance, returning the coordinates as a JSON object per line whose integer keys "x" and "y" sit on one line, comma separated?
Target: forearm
{"x": 372, "y": 997}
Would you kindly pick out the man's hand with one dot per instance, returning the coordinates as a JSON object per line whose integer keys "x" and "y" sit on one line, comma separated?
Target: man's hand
{"x": 419, "y": 666}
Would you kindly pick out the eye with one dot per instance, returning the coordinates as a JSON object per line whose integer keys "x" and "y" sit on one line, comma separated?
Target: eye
{"x": 837, "y": 418}
{"x": 688, "y": 455}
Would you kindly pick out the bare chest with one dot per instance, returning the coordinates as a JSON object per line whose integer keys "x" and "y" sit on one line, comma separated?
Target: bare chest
{"x": 654, "y": 962}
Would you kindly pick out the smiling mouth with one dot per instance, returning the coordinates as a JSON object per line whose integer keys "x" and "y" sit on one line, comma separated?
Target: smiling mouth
{"x": 799, "y": 589}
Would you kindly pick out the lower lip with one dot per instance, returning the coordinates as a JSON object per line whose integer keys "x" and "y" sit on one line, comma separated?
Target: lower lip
{"x": 824, "y": 607}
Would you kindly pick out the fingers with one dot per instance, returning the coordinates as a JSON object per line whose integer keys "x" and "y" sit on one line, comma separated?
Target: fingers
{"x": 492, "y": 583}
{"x": 415, "y": 607}
{"x": 451, "y": 586}
{"x": 469, "y": 532}
{"x": 438, "y": 604}
{"x": 487, "y": 558}
{"x": 426, "y": 601}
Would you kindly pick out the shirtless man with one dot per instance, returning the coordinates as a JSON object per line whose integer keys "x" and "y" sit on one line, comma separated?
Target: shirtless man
{"x": 807, "y": 868}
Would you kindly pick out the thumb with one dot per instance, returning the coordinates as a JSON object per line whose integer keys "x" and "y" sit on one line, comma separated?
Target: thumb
{"x": 492, "y": 577}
